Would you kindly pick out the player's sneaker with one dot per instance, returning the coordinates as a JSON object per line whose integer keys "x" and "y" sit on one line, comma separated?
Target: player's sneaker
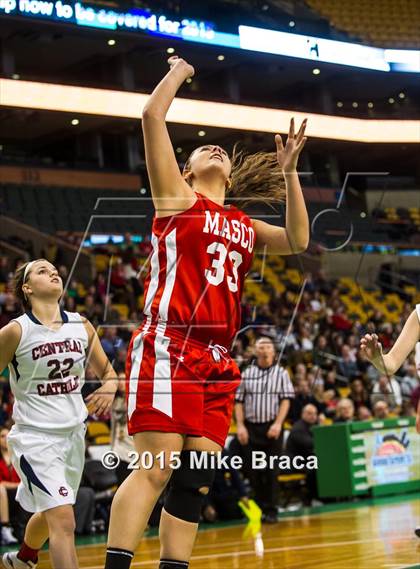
{"x": 11, "y": 561}
{"x": 6, "y": 536}
{"x": 417, "y": 531}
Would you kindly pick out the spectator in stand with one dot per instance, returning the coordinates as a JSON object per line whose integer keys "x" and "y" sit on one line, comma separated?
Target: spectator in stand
{"x": 409, "y": 381}
{"x": 303, "y": 397}
{"x": 120, "y": 359}
{"x": 317, "y": 303}
{"x": 300, "y": 442}
{"x": 305, "y": 340}
{"x": 119, "y": 283}
{"x": 381, "y": 410}
{"x": 359, "y": 394}
{"x": 323, "y": 284}
{"x": 347, "y": 363}
{"x": 353, "y": 343}
{"x": 321, "y": 348}
{"x": 10, "y": 309}
{"x": 145, "y": 246}
{"x": 301, "y": 370}
{"x": 4, "y": 270}
{"x": 387, "y": 389}
{"x": 364, "y": 414}
{"x": 100, "y": 287}
{"x": 328, "y": 401}
{"x": 9, "y": 481}
{"x": 386, "y": 335}
{"x": 330, "y": 383}
{"x": 344, "y": 411}
{"x": 340, "y": 320}
{"x": 111, "y": 342}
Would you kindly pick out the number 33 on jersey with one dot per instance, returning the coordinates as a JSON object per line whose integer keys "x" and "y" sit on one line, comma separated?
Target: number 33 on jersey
{"x": 198, "y": 267}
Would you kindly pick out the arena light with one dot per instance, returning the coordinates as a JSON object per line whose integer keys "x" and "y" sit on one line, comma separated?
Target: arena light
{"x": 101, "y": 102}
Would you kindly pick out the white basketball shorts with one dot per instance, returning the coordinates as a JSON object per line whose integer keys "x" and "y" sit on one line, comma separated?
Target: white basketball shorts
{"x": 49, "y": 465}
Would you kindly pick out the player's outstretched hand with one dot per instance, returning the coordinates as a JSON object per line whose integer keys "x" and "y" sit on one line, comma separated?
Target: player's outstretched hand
{"x": 176, "y": 62}
{"x": 371, "y": 347}
{"x": 288, "y": 155}
{"x": 100, "y": 401}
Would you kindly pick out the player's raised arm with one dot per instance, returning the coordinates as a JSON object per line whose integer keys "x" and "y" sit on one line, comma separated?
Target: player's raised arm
{"x": 170, "y": 192}
{"x": 392, "y": 361}
{"x": 9, "y": 341}
{"x": 293, "y": 238}
{"x": 100, "y": 401}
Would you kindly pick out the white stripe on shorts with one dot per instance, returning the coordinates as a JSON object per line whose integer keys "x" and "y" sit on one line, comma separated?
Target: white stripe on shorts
{"x": 154, "y": 277}
{"x": 162, "y": 385}
{"x": 136, "y": 359}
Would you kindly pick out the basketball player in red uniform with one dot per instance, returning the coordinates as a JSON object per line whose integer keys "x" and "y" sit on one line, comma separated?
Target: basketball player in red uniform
{"x": 180, "y": 377}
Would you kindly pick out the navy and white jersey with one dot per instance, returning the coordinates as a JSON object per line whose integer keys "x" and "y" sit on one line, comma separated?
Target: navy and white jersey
{"x": 47, "y": 373}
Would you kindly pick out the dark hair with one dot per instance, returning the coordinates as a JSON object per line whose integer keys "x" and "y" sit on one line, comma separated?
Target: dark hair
{"x": 19, "y": 280}
{"x": 265, "y": 339}
{"x": 254, "y": 178}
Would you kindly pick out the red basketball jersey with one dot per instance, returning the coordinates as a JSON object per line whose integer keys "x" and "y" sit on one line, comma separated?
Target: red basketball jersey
{"x": 200, "y": 259}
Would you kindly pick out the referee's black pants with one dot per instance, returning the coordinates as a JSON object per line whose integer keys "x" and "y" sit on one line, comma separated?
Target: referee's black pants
{"x": 264, "y": 481}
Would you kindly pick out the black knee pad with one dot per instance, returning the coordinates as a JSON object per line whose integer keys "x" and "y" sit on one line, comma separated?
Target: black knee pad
{"x": 184, "y": 499}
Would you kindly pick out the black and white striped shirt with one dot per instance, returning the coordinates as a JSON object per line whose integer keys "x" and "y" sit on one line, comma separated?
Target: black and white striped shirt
{"x": 262, "y": 390}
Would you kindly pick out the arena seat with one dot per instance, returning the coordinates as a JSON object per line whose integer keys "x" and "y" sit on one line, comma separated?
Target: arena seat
{"x": 52, "y": 209}
{"x": 291, "y": 486}
{"x": 382, "y": 23}
{"x": 122, "y": 310}
{"x": 96, "y": 429}
{"x": 102, "y": 440}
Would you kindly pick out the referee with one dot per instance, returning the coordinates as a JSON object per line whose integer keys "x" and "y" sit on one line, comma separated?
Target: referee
{"x": 261, "y": 405}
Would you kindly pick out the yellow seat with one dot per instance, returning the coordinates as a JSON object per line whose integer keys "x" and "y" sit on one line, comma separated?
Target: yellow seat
{"x": 101, "y": 263}
{"x": 97, "y": 428}
{"x": 122, "y": 310}
{"x": 102, "y": 440}
{"x": 291, "y": 477}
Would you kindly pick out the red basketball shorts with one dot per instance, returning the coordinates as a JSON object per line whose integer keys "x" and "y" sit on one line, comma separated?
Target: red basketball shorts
{"x": 179, "y": 385}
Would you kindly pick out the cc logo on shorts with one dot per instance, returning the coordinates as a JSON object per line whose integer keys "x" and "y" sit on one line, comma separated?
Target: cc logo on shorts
{"x": 63, "y": 491}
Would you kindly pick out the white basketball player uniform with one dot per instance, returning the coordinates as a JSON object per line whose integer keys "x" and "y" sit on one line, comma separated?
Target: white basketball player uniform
{"x": 47, "y": 442}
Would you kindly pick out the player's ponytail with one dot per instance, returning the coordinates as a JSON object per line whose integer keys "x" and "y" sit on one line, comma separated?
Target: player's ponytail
{"x": 255, "y": 178}
{"x": 18, "y": 281}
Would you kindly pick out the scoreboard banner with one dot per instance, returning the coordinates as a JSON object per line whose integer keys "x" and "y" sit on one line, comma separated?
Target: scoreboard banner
{"x": 185, "y": 28}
